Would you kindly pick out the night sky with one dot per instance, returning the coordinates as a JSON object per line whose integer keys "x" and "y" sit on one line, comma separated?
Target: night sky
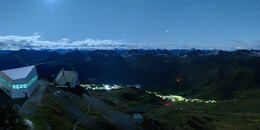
{"x": 129, "y": 24}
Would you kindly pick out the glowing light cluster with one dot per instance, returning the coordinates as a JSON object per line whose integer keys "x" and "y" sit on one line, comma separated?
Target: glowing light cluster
{"x": 176, "y": 98}
{"x": 100, "y": 87}
{"x": 19, "y": 86}
{"x": 173, "y": 98}
{"x": 107, "y": 87}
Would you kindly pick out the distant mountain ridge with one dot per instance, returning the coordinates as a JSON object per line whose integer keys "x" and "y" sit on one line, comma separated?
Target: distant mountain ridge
{"x": 213, "y": 74}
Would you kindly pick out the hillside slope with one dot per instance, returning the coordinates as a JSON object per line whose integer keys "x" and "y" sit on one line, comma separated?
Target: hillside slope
{"x": 203, "y": 74}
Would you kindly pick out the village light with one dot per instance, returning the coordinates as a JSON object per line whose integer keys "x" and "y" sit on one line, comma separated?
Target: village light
{"x": 107, "y": 87}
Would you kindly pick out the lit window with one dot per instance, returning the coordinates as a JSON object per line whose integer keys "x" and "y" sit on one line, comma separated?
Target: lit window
{"x": 21, "y": 86}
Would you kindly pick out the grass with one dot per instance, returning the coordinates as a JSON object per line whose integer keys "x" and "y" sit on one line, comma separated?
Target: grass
{"x": 249, "y": 93}
{"x": 105, "y": 123}
{"x": 224, "y": 115}
{"x": 230, "y": 114}
{"x": 89, "y": 111}
{"x": 220, "y": 84}
{"x": 126, "y": 99}
{"x": 50, "y": 114}
{"x": 98, "y": 117}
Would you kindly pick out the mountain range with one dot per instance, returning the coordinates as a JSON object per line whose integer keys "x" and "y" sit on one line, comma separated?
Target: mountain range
{"x": 207, "y": 74}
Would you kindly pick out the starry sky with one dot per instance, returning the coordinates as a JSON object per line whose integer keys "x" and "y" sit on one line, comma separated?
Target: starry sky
{"x": 129, "y": 24}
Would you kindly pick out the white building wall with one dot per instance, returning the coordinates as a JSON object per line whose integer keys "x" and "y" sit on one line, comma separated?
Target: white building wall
{"x": 20, "y": 81}
{"x": 57, "y": 78}
{"x": 6, "y": 89}
{"x": 74, "y": 80}
{"x": 20, "y": 93}
{"x": 5, "y": 77}
{"x": 31, "y": 89}
{"x": 31, "y": 75}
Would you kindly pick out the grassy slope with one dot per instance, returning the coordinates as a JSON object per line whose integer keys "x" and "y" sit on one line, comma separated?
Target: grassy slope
{"x": 127, "y": 98}
{"x": 99, "y": 119}
{"x": 50, "y": 114}
{"x": 221, "y": 84}
{"x": 242, "y": 114}
{"x": 225, "y": 115}
{"x": 214, "y": 77}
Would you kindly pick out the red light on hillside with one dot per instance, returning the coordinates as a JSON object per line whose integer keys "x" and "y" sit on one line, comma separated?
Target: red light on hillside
{"x": 178, "y": 80}
{"x": 166, "y": 104}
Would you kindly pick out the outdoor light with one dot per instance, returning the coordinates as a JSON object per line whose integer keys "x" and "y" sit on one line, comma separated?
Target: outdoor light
{"x": 107, "y": 87}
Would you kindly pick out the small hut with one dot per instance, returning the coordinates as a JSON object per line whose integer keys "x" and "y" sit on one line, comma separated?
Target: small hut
{"x": 67, "y": 79}
{"x": 138, "y": 118}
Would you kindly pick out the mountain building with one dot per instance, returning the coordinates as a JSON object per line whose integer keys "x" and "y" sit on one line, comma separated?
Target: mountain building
{"x": 138, "y": 118}
{"x": 67, "y": 79}
{"x": 19, "y": 82}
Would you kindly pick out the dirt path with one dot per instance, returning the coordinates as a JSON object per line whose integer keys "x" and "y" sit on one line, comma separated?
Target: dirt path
{"x": 68, "y": 102}
{"x": 123, "y": 121}
{"x": 34, "y": 99}
{"x": 70, "y": 108}
{"x": 118, "y": 119}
